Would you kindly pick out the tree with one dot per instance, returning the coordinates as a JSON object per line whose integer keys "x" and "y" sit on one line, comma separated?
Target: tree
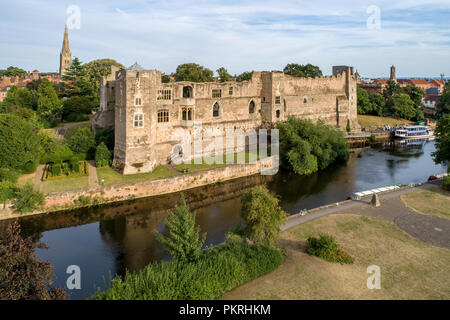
{"x": 245, "y": 76}
{"x": 106, "y": 136}
{"x": 364, "y": 104}
{"x": 262, "y": 215}
{"x": 22, "y": 276}
{"x": 13, "y": 72}
{"x": 224, "y": 75}
{"x": 98, "y": 68}
{"x": 183, "y": 242}
{"x": 416, "y": 94}
{"x": 193, "y": 72}
{"x": 298, "y": 70}
{"x": 392, "y": 88}
{"x": 102, "y": 156}
{"x": 19, "y": 144}
{"x": 378, "y": 104}
{"x": 49, "y": 106}
{"x": 77, "y": 108}
{"x": 19, "y": 98}
{"x": 7, "y": 191}
{"x": 165, "y": 78}
{"x": 442, "y": 153}
{"x": 28, "y": 199}
{"x": 78, "y": 81}
{"x": 81, "y": 141}
{"x": 402, "y": 106}
{"x": 444, "y": 101}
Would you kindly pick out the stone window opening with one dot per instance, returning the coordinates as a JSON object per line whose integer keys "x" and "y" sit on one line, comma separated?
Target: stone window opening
{"x": 277, "y": 99}
{"x": 251, "y": 107}
{"x": 305, "y": 100}
{"x": 164, "y": 94}
{"x": 216, "y": 110}
{"x": 188, "y": 92}
{"x": 138, "y": 120}
{"x": 216, "y": 93}
{"x": 186, "y": 113}
{"x": 278, "y": 113}
{"x": 230, "y": 91}
{"x": 163, "y": 115}
{"x": 137, "y": 102}
{"x": 284, "y": 105}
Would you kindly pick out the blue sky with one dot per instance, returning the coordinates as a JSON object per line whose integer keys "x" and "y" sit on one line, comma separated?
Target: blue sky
{"x": 239, "y": 35}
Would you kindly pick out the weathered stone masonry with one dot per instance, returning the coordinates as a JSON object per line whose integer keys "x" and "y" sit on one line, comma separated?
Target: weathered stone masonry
{"x": 146, "y": 112}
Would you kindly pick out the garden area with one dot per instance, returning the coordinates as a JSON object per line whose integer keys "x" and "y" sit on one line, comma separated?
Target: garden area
{"x": 108, "y": 176}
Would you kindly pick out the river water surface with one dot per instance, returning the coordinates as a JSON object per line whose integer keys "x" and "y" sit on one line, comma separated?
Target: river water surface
{"x": 107, "y": 240}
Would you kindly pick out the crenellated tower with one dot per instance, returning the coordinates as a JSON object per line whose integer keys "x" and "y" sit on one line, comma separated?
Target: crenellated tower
{"x": 65, "y": 58}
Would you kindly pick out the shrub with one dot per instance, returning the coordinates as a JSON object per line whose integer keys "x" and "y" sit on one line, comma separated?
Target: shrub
{"x": 22, "y": 276}
{"x": 217, "y": 271}
{"x": 102, "y": 156}
{"x": 55, "y": 169}
{"x": 262, "y": 215}
{"x": 81, "y": 141}
{"x": 325, "y": 247}
{"x": 7, "y": 191}
{"x": 184, "y": 242}
{"x": 446, "y": 183}
{"x": 9, "y": 175}
{"x": 74, "y": 164}
{"x": 28, "y": 199}
{"x": 106, "y": 136}
{"x": 83, "y": 201}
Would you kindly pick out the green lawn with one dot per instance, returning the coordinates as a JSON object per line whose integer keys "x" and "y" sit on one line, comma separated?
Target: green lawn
{"x": 68, "y": 184}
{"x": 113, "y": 177}
{"x": 367, "y": 121}
{"x": 193, "y": 167}
{"x": 434, "y": 201}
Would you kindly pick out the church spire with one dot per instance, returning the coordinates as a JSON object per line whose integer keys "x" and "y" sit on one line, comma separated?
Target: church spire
{"x": 65, "y": 58}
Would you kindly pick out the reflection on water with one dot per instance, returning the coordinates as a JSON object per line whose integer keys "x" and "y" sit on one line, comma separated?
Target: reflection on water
{"x": 107, "y": 240}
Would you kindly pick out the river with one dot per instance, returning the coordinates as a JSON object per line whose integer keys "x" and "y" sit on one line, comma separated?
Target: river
{"x": 104, "y": 241}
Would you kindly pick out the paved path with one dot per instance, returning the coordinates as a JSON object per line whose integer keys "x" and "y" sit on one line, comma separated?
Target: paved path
{"x": 430, "y": 229}
{"x": 93, "y": 179}
{"x": 38, "y": 176}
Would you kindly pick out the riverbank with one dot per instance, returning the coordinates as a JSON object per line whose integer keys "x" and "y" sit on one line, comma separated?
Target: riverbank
{"x": 410, "y": 247}
{"x": 69, "y": 200}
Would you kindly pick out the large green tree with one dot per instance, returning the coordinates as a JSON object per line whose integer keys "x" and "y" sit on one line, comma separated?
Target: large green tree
{"x": 378, "y": 104}
{"x": 183, "y": 242}
{"x": 49, "y": 106}
{"x": 262, "y": 215}
{"x": 245, "y": 76}
{"x": 82, "y": 141}
{"x": 444, "y": 101}
{"x": 13, "y": 72}
{"x": 364, "y": 103}
{"x": 402, "y": 106}
{"x": 299, "y": 70}
{"x": 224, "y": 75}
{"x": 392, "y": 88}
{"x": 19, "y": 143}
{"x": 416, "y": 94}
{"x": 442, "y": 153}
{"x": 193, "y": 72}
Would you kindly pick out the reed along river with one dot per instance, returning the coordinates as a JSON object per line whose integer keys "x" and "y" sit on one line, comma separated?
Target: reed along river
{"x": 104, "y": 241}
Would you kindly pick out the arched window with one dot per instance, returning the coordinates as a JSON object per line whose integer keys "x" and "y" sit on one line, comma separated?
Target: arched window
{"x": 188, "y": 92}
{"x": 186, "y": 113}
{"x": 278, "y": 113}
{"x": 251, "y": 107}
{"x": 216, "y": 109}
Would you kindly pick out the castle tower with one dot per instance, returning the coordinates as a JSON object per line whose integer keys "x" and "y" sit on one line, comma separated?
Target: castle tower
{"x": 393, "y": 76}
{"x": 65, "y": 58}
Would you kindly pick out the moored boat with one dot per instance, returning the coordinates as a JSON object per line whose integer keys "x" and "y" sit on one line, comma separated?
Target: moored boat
{"x": 413, "y": 132}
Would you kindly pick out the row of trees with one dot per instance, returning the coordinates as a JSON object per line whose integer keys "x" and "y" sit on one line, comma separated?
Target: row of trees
{"x": 197, "y": 73}
{"x": 395, "y": 101}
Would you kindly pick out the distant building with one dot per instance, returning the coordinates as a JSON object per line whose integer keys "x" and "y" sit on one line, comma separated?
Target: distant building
{"x": 65, "y": 58}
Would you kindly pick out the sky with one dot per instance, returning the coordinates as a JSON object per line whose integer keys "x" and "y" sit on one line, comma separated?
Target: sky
{"x": 238, "y": 35}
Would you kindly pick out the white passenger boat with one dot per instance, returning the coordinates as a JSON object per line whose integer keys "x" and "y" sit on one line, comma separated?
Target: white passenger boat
{"x": 414, "y": 132}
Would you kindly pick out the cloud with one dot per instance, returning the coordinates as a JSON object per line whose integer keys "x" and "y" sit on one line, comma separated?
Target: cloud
{"x": 239, "y": 35}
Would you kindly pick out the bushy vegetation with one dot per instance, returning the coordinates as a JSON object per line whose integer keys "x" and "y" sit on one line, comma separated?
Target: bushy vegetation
{"x": 444, "y": 102}
{"x": 106, "y": 136}
{"x": 306, "y": 147}
{"x": 304, "y": 71}
{"x": 193, "y": 72}
{"x": 442, "y": 153}
{"x": 399, "y": 102}
{"x": 325, "y": 247}
{"x": 28, "y": 199}
{"x": 22, "y": 276}
{"x": 183, "y": 242}
{"x": 102, "y": 156}
{"x": 81, "y": 141}
{"x": 224, "y": 75}
{"x": 262, "y": 215}
{"x": 446, "y": 183}
{"x": 217, "y": 271}
{"x": 77, "y": 108}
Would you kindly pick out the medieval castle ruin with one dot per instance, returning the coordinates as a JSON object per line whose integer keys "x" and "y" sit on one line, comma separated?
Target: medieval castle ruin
{"x": 146, "y": 112}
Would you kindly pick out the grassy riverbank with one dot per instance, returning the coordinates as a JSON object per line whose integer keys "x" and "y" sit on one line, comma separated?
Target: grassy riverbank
{"x": 410, "y": 268}
{"x": 434, "y": 201}
{"x": 218, "y": 270}
{"x": 372, "y": 122}
{"x": 110, "y": 176}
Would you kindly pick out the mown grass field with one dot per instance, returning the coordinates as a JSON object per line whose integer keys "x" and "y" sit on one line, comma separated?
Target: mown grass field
{"x": 369, "y": 122}
{"x": 68, "y": 184}
{"x": 111, "y": 176}
{"x": 434, "y": 201}
{"x": 410, "y": 268}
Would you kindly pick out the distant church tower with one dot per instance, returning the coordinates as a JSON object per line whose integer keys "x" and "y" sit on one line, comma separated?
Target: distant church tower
{"x": 393, "y": 76}
{"x": 65, "y": 58}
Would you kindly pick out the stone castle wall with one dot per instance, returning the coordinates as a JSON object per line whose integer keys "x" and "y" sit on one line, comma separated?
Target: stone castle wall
{"x": 134, "y": 98}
